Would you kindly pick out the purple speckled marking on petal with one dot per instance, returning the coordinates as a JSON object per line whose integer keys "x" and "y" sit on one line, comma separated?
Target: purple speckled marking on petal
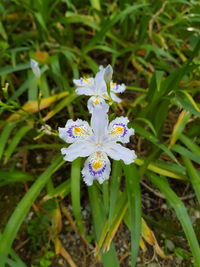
{"x": 70, "y": 131}
{"x": 122, "y": 125}
{"x": 91, "y": 170}
{"x": 116, "y": 86}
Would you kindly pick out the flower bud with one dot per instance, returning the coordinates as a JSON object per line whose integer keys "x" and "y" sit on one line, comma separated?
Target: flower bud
{"x": 108, "y": 74}
{"x": 35, "y": 68}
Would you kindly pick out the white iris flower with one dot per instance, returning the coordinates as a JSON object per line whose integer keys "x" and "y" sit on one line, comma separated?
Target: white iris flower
{"x": 97, "y": 143}
{"x": 97, "y": 88}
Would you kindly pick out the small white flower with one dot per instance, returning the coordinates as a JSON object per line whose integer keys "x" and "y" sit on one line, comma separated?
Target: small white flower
{"x": 35, "y": 68}
{"x": 96, "y": 88}
{"x": 97, "y": 143}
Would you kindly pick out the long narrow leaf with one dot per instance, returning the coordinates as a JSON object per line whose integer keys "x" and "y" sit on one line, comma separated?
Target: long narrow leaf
{"x": 23, "y": 207}
{"x": 75, "y": 192}
{"x": 194, "y": 177}
{"x": 134, "y": 199}
{"x": 181, "y": 213}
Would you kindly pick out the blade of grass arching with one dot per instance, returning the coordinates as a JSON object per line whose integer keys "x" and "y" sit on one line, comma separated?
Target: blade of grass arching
{"x": 153, "y": 167}
{"x": 14, "y": 176}
{"x": 181, "y": 213}
{"x": 185, "y": 152}
{"x": 185, "y": 104}
{"x": 23, "y": 207}
{"x": 194, "y": 176}
{"x": 33, "y": 106}
{"x": 98, "y": 216}
{"x": 108, "y": 24}
{"x": 75, "y": 192}
{"x": 179, "y": 126}
{"x": 60, "y": 191}
{"x": 62, "y": 104}
{"x": 15, "y": 140}
{"x": 190, "y": 99}
{"x": 25, "y": 85}
{"x": 5, "y": 135}
{"x": 191, "y": 145}
{"x": 153, "y": 140}
{"x": 134, "y": 200}
{"x": 18, "y": 262}
{"x": 11, "y": 69}
{"x": 171, "y": 167}
{"x": 22, "y": 88}
{"x": 114, "y": 188}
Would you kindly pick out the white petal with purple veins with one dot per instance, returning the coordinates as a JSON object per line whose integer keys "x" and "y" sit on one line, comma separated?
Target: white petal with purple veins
{"x": 117, "y": 88}
{"x": 78, "y": 149}
{"x": 96, "y": 102}
{"x": 84, "y": 82}
{"x": 119, "y": 131}
{"x": 97, "y": 167}
{"x": 75, "y": 130}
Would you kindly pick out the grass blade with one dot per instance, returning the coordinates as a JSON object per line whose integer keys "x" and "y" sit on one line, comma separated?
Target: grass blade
{"x": 134, "y": 199}
{"x": 5, "y": 135}
{"x": 114, "y": 189}
{"x": 194, "y": 176}
{"x": 192, "y": 146}
{"x": 14, "y": 142}
{"x": 98, "y": 215}
{"x": 181, "y": 213}
{"x": 23, "y": 207}
{"x": 75, "y": 192}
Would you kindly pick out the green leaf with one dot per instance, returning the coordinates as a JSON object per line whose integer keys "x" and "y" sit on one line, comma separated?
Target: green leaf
{"x": 114, "y": 189}
{"x": 14, "y": 176}
{"x": 134, "y": 200}
{"x": 23, "y": 207}
{"x": 185, "y": 152}
{"x": 98, "y": 216}
{"x": 75, "y": 192}
{"x": 5, "y": 135}
{"x": 153, "y": 140}
{"x": 15, "y": 140}
{"x": 191, "y": 145}
{"x": 194, "y": 176}
{"x": 181, "y": 213}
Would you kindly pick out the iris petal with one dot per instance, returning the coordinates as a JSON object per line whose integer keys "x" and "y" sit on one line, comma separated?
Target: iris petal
{"x": 97, "y": 167}
{"x": 77, "y": 149}
{"x": 75, "y": 130}
{"x": 119, "y": 131}
{"x": 96, "y": 102}
{"x": 118, "y": 152}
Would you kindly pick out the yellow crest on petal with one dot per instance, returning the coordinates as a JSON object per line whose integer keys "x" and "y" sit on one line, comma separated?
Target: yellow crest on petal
{"x": 119, "y": 130}
{"x": 96, "y": 101}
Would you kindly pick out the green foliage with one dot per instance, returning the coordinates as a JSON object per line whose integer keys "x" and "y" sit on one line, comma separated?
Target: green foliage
{"x": 37, "y": 229}
{"x": 45, "y": 261}
{"x": 153, "y": 47}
